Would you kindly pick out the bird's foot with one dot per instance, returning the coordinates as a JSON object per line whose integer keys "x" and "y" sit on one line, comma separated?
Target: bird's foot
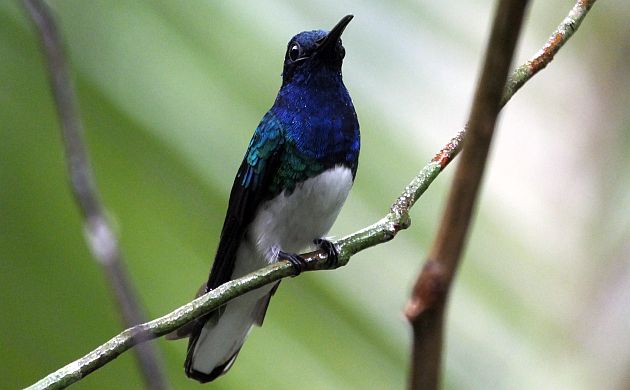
{"x": 298, "y": 262}
{"x": 330, "y": 249}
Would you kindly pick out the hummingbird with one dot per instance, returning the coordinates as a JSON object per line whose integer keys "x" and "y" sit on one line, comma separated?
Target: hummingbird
{"x": 296, "y": 175}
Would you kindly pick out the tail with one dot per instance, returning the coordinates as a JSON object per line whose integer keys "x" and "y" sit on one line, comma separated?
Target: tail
{"x": 213, "y": 346}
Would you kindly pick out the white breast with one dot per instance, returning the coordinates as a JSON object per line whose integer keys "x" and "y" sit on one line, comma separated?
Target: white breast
{"x": 291, "y": 222}
{"x": 286, "y": 222}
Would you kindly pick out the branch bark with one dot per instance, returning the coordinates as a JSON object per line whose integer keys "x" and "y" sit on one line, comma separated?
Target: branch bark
{"x": 426, "y": 307}
{"x": 425, "y": 310}
{"x": 382, "y": 231}
{"x": 99, "y": 235}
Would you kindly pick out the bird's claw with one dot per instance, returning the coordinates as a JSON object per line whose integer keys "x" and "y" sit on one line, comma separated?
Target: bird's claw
{"x": 297, "y": 261}
{"x": 330, "y": 249}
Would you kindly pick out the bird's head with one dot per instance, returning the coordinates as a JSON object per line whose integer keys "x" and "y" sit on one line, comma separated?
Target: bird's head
{"x": 311, "y": 52}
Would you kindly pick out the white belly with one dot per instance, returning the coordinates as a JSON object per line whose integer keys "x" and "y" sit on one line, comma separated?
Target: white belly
{"x": 291, "y": 222}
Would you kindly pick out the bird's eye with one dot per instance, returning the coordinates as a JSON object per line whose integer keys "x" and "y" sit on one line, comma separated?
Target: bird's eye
{"x": 295, "y": 52}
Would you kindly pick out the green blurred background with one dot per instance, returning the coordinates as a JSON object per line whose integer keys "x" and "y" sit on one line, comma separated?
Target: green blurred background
{"x": 170, "y": 93}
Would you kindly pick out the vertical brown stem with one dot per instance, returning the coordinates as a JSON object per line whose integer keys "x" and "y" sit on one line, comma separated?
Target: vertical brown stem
{"x": 427, "y": 304}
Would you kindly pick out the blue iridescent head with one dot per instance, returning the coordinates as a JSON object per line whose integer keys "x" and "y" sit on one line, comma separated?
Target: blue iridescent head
{"x": 313, "y": 51}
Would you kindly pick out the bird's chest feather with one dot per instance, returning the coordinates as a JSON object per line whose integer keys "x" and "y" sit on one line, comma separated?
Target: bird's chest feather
{"x": 319, "y": 120}
{"x": 290, "y": 221}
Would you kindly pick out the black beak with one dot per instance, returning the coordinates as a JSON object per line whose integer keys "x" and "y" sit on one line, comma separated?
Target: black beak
{"x": 330, "y": 41}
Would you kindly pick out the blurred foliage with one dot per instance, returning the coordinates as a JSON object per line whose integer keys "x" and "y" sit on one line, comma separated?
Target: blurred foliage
{"x": 170, "y": 93}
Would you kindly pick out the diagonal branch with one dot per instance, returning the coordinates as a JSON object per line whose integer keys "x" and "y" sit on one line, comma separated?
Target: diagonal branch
{"x": 382, "y": 231}
{"x": 543, "y": 57}
{"x": 426, "y": 307}
{"x": 100, "y": 237}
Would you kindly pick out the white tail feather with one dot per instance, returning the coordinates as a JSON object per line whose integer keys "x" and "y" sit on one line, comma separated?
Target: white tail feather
{"x": 219, "y": 341}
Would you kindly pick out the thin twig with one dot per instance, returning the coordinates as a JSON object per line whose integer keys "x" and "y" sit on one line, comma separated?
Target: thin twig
{"x": 526, "y": 71}
{"x": 426, "y": 306}
{"x": 382, "y": 231}
{"x": 99, "y": 235}
{"x": 539, "y": 61}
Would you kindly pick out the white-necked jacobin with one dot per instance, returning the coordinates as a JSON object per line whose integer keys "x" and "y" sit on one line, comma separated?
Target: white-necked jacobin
{"x": 296, "y": 174}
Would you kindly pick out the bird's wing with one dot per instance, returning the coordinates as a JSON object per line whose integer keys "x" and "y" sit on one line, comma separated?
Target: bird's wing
{"x": 248, "y": 191}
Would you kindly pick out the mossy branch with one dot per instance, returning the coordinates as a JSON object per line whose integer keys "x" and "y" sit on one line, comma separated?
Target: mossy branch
{"x": 380, "y": 232}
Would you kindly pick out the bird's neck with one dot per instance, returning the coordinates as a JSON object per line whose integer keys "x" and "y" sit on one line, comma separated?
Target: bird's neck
{"x": 322, "y": 78}
{"x": 313, "y": 97}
